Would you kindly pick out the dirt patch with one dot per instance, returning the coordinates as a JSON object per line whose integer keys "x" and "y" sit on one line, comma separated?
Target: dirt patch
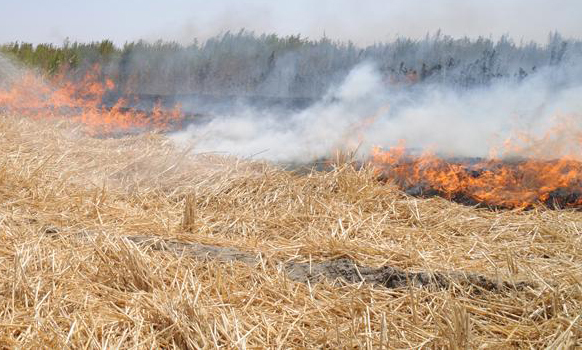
{"x": 197, "y": 250}
{"x": 344, "y": 269}
{"x": 393, "y": 277}
{"x": 337, "y": 269}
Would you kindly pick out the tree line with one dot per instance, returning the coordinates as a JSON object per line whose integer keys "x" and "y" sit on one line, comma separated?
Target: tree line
{"x": 245, "y": 63}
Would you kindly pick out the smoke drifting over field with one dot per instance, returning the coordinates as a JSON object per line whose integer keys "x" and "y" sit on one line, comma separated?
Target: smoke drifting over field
{"x": 299, "y": 136}
{"x": 364, "y": 111}
{"x": 454, "y": 97}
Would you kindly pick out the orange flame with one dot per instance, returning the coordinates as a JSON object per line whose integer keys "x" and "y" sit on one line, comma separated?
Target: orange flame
{"x": 518, "y": 183}
{"x": 81, "y": 101}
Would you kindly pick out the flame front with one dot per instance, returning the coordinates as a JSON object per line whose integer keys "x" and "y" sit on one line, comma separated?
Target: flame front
{"x": 549, "y": 170}
{"x": 82, "y": 101}
{"x": 519, "y": 183}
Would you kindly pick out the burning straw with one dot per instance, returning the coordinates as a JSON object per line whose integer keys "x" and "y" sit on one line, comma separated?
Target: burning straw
{"x": 82, "y": 101}
{"x": 72, "y": 279}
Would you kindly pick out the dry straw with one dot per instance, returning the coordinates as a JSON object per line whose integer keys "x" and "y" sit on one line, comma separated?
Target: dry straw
{"x": 75, "y": 276}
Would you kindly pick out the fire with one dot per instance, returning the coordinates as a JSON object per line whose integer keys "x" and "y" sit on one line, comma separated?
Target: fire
{"x": 521, "y": 182}
{"x": 547, "y": 169}
{"x": 82, "y": 101}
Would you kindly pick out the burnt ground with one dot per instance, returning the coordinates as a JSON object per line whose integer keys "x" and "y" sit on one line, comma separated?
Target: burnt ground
{"x": 343, "y": 269}
{"x": 560, "y": 198}
{"x": 207, "y": 103}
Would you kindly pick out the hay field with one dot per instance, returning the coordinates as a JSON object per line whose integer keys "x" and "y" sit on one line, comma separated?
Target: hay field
{"x": 133, "y": 243}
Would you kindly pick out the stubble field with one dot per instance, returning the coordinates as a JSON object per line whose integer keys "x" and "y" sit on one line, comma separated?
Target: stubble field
{"x": 135, "y": 243}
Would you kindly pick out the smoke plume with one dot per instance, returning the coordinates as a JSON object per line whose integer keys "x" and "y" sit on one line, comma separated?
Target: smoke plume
{"x": 365, "y": 111}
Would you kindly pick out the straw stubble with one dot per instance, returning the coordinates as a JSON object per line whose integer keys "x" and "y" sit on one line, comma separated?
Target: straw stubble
{"x": 77, "y": 274}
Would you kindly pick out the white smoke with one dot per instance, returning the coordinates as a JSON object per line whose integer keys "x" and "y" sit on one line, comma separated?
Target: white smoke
{"x": 474, "y": 122}
{"x": 364, "y": 111}
{"x": 302, "y": 136}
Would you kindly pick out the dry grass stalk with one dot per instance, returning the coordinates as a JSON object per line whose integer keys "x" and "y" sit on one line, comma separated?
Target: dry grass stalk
{"x": 102, "y": 291}
{"x": 189, "y": 216}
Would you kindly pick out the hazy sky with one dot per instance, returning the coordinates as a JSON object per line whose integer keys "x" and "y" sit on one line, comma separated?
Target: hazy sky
{"x": 362, "y": 21}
